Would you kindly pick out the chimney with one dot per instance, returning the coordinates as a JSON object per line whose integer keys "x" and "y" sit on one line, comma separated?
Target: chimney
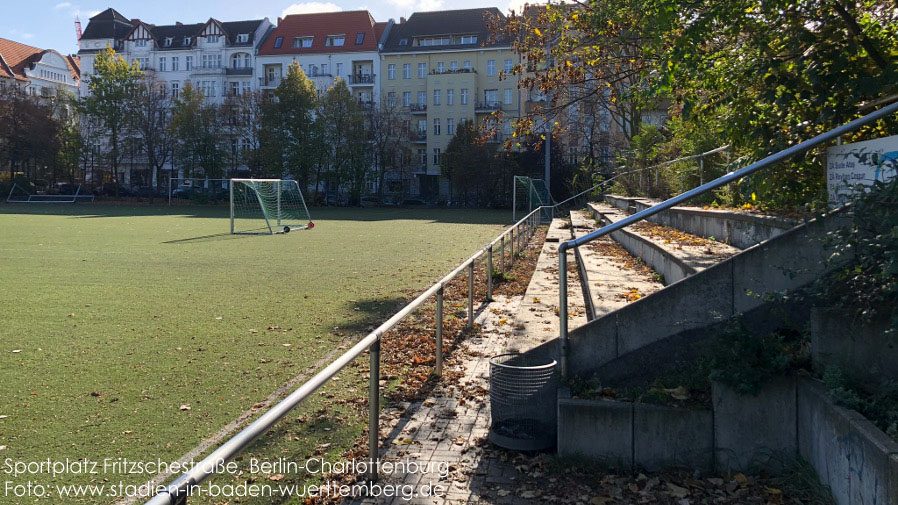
{"x": 178, "y": 23}
{"x": 280, "y": 21}
{"x": 401, "y": 20}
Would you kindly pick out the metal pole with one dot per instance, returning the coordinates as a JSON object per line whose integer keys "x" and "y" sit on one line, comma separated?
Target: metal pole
{"x": 439, "y": 347}
{"x": 511, "y": 247}
{"x": 502, "y": 252}
{"x": 562, "y": 306}
{"x": 514, "y": 198}
{"x": 489, "y": 274}
{"x": 701, "y": 170}
{"x": 231, "y": 192}
{"x": 471, "y": 295}
{"x": 169, "y": 189}
{"x": 374, "y": 410}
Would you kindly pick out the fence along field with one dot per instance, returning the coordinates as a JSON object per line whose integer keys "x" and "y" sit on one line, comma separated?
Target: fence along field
{"x": 137, "y": 331}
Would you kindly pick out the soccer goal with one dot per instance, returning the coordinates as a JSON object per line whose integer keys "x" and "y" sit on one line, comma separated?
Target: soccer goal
{"x": 18, "y": 194}
{"x": 267, "y": 206}
{"x": 528, "y": 195}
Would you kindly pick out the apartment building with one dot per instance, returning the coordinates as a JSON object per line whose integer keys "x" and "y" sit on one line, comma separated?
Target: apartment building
{"x": 440, "y": 69}
{"x": 40, "y": 72}
{"x": 327, "y": 46}
{"x": 216, "y": 57}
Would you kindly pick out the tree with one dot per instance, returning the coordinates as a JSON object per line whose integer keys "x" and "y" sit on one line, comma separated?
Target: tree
{"x": 197, "y": 129}
{"x": 389, "y": 142}
{"x": 342, "y": 127}
{"x": 475, "y": 168}
{"x": 29, "y": 132}
{"x": 112, "y": 89}
{"x": 246, "y": 125}
{"x": 297, "y": 98}
{"x": 152, "y": 117}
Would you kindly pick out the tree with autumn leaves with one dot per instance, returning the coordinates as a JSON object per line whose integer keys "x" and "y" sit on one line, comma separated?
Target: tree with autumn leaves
{"x": 759, "y": 76}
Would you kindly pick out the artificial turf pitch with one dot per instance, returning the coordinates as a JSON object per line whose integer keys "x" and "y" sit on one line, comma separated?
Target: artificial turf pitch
{"x": 135, "y": 332}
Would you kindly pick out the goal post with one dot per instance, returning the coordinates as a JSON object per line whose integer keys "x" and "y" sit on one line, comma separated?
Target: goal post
{"x": 267, "y": 206}
{"x": 528, "y": 195}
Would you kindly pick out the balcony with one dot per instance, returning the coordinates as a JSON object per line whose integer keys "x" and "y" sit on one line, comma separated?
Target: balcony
{"x": 456, "y": 71}
{"x": 209, "y": 70}
{"x": 366, "y": 104}
{"x": 239, "y": 71}
{"x": 417, "y": 108}
{"x": 487, "y": 107}
{"x": 269, "y": 82}
{"x": 418, "y": 137}
{"x": 362, "y": 79}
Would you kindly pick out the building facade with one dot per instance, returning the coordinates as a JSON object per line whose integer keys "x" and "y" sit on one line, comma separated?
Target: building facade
{"x": 40, "y": 72}
{"x": 326, "y": 46}
{"x": 441, "y": 69}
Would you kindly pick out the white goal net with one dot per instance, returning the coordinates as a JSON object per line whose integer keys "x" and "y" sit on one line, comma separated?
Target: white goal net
{"x": 17, "y": 194}
{"x": 266, "y": 206}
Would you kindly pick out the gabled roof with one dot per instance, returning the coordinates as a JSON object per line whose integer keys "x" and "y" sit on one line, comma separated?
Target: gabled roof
{"x": 439, "y": 23}
{"x": 15, "y": 57}
{"x": 319, "y": 26}
{"x": 178, "y": 32}
{"x": 109, "y": 24}
{"x": 234, "y": 28}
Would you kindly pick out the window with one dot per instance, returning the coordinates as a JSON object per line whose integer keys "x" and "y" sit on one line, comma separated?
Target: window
{"x": 450, "y": 126}
{"x": 188, "y": 41}
{"x": 422, "y": 156}
{"x": 188, "y": 62}
{"x": 436, "y": 126}
{"x": 162, "y": 63}
{"x": 490, "y": 67}
{"x": 467, "y": 65}
{"x": 450, "y": 97}
{"x": 436, "y": 155}
{"x": 422, "y": 98}
{"x": 508, "y": 66}
{"x": 324, "y": 69}
{"x": 174, "y": 63}
{"x": 406, "y": 70}
{"x": 242, "y": 38}
{"x": 453, "y": 66}
{"x": 235, "y": 88}
{"x": 335, "y": 40}
{"x": 441, "y": 68}
{"x": 434, "y": 41}
{"x": 469, "y": 39}
{"x": 422, "y": 127}
{"x": 406, "y": 98}
{"x": 212, "y": 39}
{"x": 506, "y": 127}
{"x": 422, "y": 70}
{"x": 464, "y": 96}
{"x": 359, "y": 38}
{"x": 391, "y": 71}
{"x": 211, "y": 61}
{"x": 506, "y": 96}
{"x": 245, "y": 87}
{"x": 143, "y": 62}
{"x": 339, "y": 69}
{"x": 168, "y": 41}
{"x": 174, "y": 89}
{"x": 140, "y": 43}
{"x": 572, "y": 155}
{"x": 403, "y": 42}
{"x": 278, "y": 42}
{"x": 491, "y": 97}
{"x": 436, "y": 97}
{"x": 391, "y": 99}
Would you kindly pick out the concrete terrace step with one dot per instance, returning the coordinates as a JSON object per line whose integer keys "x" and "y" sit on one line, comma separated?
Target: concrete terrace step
{"x": 615, "y": 277}
{"x": 672, "y": 253}
{"x": 536, "y": 323}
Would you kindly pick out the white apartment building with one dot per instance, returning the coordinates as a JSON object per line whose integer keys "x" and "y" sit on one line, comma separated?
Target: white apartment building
{"x": 40, "y": 72}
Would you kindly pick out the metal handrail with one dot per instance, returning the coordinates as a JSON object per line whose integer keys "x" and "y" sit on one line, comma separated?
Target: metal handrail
{"x": 176, "y": 492}
{"x": 688, "y": 195}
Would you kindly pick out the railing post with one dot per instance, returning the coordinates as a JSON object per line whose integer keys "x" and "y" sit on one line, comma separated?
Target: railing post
{"x": 439, "y": 343}
{"x": 374, "y": 410}
{"x": 502, "y": 252}
{"x": 562, "y": 306}
{"x": 471, "y": 295}
{"x": 511, "y": 246}
{"x": 489, "y": 274}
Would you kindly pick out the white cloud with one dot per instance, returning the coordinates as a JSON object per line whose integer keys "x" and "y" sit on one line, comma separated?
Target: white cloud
{"x": 429, "y": 5}
{"x": 63, "y": 5}
{"x": 16, "y": 34}
{"x": 311, "y": 7}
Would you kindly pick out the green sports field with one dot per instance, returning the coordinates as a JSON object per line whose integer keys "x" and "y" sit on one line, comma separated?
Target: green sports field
{"x": 139, "y": 331}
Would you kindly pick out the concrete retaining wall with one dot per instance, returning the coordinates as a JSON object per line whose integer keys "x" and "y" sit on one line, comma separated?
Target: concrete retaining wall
{"x": 736, "y": 285}
{"x": 735, "y": 228}
{"x": 787, "y": 419}
{"x": 863, "y": 351}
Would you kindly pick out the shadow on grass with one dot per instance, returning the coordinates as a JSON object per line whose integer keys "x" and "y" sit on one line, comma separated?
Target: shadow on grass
{"x": 99, "y": 210}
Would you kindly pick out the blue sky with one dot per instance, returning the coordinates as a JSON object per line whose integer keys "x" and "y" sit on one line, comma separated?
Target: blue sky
{"x": 50, "y": 24}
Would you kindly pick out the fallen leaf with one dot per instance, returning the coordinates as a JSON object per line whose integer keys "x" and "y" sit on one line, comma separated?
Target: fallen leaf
{"x": 503, "y": 492}
{"x": 276, "y": 477}
{"x": 17, "y": 351}
{"x": 184, "y": 407}
{"x": 677, "y": 491}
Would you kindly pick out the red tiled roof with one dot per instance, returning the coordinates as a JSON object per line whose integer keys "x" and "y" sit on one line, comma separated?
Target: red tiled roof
{"x": 16, "y": 57}
{"x": 319, "y": 26}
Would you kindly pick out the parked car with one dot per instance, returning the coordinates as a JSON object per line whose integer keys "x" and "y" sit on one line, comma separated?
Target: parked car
{"x": 109, "y": 189}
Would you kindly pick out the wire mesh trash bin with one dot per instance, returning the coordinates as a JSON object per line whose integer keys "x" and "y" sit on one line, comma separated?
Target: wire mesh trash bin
{"x": 523, "y": 396}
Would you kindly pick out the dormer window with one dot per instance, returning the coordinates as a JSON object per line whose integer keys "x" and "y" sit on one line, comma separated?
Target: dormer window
{"x": 468, "y": 39}
{"x": 140, "y": 43}
{"x": 168, "y": 41}
{"x": 335, "y": 40}
{"x": 304, "y": 42}
{"x": 359, "y": 38}
{"x": 403, "y": 42}
{"x": 187, "y": 41}
{"x": 278, "y": 42}
{"x": 242, "y": 38}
